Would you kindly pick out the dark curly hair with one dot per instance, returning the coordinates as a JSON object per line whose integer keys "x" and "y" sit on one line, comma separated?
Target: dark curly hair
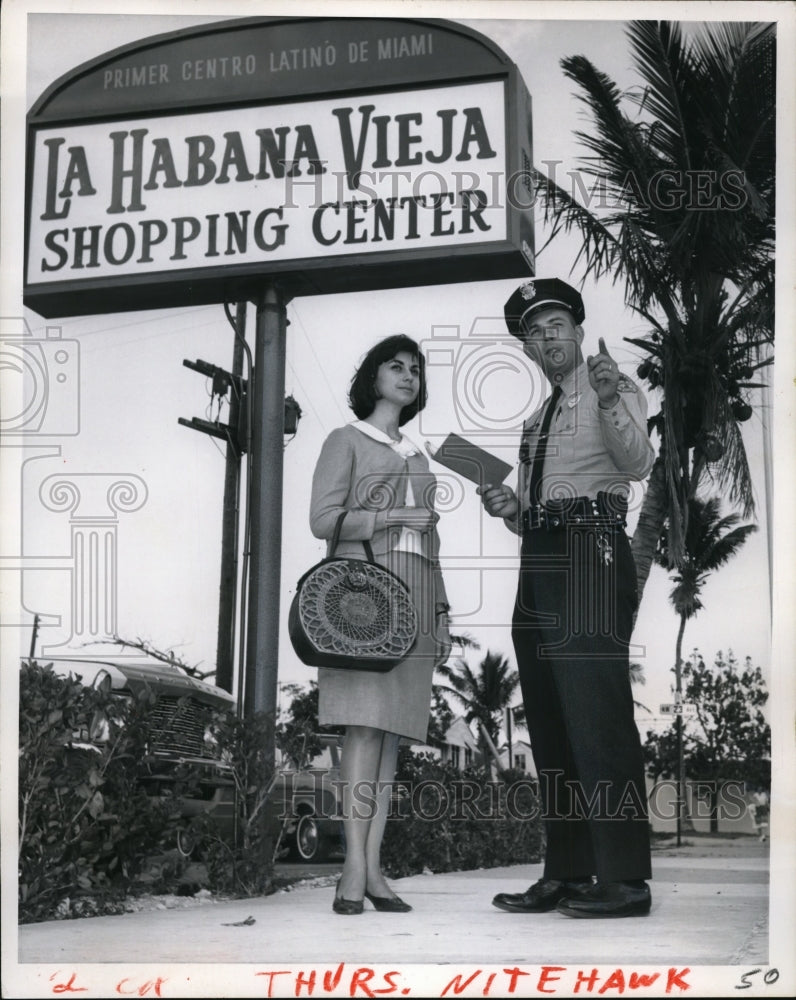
{"x": 362, "y": 394}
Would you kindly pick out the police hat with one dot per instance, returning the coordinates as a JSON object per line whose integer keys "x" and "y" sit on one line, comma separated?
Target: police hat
{"x": 542, "y": 293}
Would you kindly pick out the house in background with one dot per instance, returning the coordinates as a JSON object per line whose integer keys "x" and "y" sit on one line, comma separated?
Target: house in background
{"x": 521, "y": 757}
{"x": 460, "y": 747}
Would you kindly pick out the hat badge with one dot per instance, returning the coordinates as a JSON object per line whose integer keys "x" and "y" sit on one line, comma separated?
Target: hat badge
{"x": 528, "y": 290}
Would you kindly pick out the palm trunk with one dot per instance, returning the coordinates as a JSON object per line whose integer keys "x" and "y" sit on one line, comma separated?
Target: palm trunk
{"x": 650, "y": 524}
{"x": 683, "y": 821}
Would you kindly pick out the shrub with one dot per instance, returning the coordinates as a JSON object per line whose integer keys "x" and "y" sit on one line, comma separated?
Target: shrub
{"x": 455, "y": 820}
{"x": 86, "y": 826}
{"x": 244, "y": 867}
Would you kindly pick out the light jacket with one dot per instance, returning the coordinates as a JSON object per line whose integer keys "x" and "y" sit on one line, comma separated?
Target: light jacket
{"x": 363, "y": 476}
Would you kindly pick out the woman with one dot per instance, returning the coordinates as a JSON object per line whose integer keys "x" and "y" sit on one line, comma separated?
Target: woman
{"x": 375, "y": 474}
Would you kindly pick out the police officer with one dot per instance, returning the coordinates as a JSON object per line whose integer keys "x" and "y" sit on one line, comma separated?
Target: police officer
{"x": 574, "y": 612}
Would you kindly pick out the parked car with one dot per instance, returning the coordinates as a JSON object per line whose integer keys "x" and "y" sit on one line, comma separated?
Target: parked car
{"x": 308, "y": 803}
{"x": 314, "y": 827}
{"x": 180, "y": 719}
{"x": 304, "y": 804}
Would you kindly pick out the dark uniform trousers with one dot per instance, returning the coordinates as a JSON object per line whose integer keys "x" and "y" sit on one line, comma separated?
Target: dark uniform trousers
{"x": 571, "y": 629}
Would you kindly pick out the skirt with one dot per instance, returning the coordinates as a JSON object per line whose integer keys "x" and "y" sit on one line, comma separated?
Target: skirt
{"x": 398, "y": 701}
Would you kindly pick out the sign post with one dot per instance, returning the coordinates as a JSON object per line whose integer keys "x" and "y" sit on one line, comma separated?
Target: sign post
{"x": 268, "y": 417}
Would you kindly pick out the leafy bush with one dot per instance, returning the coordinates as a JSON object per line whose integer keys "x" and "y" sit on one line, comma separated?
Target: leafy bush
{"x": 86, "y": 826}
{"x": 244, "y": 867}
{"x": 455, "y": 820}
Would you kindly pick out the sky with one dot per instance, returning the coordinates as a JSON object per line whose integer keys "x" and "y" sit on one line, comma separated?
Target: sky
{"x": 133, "y": 388}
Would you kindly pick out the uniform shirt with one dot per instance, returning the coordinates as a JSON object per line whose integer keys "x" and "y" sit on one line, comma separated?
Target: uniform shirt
{"x": 589, "y": 449}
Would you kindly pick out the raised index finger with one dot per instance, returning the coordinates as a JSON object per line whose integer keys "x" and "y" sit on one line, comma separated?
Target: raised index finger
{"x": 602, "y": 348}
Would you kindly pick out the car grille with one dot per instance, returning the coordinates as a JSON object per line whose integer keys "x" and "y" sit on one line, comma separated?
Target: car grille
{"x": 179, "y": 725}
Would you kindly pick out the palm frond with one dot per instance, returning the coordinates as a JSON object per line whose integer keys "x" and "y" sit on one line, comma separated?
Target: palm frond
{"x": 615, "y": 141}
{"x": 731, "y": 473}
{"x": 563, "y": 213}
{"x": 667, "y": 67}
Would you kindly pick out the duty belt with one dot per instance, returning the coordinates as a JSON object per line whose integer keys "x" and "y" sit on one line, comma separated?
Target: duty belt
{"x": 606, "y": 510}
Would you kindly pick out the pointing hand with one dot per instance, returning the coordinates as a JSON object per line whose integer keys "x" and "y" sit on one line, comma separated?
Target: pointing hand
{"x": 603, "y": 375}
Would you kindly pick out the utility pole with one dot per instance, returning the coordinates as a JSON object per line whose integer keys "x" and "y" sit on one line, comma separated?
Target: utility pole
{"x": 272, "y": 416}
{"x": 223, "y": 382}
{"x": 228, "y": 587}
{"x": 267, "y": 431}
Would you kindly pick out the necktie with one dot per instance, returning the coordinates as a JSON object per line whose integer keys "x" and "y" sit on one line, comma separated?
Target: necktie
{"x": 537, "y": 465}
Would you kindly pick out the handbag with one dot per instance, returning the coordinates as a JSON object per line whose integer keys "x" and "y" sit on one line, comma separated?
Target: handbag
{"x": 352, "y": 614}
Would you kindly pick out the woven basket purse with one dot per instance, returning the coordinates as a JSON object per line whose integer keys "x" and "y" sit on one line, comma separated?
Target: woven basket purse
{"x": 352, "y": 614}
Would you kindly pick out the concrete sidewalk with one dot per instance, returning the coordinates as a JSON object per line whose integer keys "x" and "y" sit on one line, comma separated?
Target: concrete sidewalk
{"x": 707, "y": 910}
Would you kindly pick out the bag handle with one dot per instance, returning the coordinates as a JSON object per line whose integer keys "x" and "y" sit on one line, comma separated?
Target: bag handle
{"x": 336, "y": 538}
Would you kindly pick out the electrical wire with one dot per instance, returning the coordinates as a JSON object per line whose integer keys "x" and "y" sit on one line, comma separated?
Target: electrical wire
{"x": 148, "y": 319}
{"x": 209, "y": 415}
{"x": 334, "y": 394}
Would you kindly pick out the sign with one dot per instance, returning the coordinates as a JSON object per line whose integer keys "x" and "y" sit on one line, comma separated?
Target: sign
{"x": 684, "y": 708}
{"x": 185, "y": 168}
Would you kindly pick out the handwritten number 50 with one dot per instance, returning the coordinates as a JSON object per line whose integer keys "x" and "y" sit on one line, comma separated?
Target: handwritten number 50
{"x": 768, "y": 978}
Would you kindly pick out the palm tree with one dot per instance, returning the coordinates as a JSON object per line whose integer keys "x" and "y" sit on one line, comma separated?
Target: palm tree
{"x": 685, "y": 187}
{"x": 637, "y": 677}
{"x": 710, "y": 541}
{"x": 484, "y": 693}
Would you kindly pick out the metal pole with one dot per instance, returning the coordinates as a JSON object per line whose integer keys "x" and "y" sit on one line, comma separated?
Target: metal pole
{"x": 766, "y": 410}
{"x": 680, "y": 779}
{"x": 267, "y": 387}
{"x": 678, "y": 707}
{"x": 228, "y": 589}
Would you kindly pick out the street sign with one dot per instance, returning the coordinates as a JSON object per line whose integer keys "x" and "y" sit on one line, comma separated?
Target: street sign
{"x": 685, "y": 708}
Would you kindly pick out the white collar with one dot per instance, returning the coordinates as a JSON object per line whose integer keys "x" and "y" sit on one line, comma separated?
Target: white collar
{"x": 403, "y": 445}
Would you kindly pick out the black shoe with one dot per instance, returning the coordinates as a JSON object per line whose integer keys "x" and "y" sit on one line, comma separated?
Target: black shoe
{"x": 541, "y": 897}
{"x": 609, "y": 899}
{"x": 347, "y": 907}
{"x": 388, "y": 904}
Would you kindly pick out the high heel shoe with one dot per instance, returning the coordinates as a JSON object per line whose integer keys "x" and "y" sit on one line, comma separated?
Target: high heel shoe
{"x": 388, "y": 904}
{"x": 347, "y": 907}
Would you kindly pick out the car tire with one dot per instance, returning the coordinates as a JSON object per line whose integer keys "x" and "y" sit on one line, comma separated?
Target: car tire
{"x": 309, "y": 844}
{"x": 186, "y": 843}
